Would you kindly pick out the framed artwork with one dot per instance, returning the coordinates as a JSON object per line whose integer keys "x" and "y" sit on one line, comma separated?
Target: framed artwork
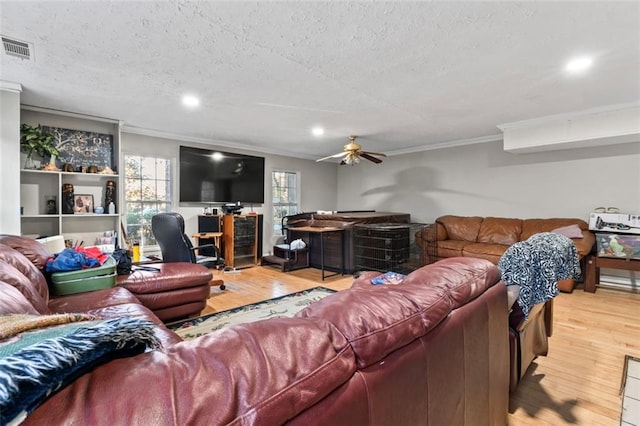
{"x": 82, "y": 203}
{"x": 82, "y": 149}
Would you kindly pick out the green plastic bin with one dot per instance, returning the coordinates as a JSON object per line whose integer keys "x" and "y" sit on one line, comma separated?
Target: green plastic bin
{"x": 85, "y": 279}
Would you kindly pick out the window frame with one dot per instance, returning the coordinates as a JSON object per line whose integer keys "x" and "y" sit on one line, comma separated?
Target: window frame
{"x": 168, "y": 203}
{"x": 276, "y": 229}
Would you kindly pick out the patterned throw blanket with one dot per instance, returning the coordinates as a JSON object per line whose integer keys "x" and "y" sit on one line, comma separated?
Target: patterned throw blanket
{"x": 537, "y": 264}
{"x": 41, "y": 354}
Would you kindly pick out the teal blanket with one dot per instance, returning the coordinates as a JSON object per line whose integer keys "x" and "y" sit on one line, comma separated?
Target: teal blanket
{"x": 36, "y": 363}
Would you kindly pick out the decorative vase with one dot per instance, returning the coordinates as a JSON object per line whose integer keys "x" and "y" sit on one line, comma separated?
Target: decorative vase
{"x": 30, "y": 163}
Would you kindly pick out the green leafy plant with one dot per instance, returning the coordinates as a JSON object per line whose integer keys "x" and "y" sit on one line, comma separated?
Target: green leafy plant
{"x": 34, "y": 139}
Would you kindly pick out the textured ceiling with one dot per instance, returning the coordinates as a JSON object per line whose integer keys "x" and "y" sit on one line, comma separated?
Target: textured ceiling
{"x": 403, "y": 75}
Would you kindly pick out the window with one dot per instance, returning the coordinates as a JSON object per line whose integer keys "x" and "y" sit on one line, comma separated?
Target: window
{"x": 147, "y": 192}
{"x": 284, "y": 198}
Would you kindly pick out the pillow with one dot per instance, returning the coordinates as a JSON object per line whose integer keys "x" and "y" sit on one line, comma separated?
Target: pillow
{"x": 569, "y": 231}
{"x": 36, "y": 363}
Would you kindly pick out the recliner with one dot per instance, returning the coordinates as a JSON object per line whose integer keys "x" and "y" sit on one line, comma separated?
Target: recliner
{"x": 175, "y": 245}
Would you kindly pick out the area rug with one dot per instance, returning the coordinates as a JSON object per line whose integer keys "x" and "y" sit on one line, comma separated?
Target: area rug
{"x": 283, "y": 306}
{"x": 630, "y": 392}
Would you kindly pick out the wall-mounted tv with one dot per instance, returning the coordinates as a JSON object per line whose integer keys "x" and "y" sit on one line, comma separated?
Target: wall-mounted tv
{"x": 212, "y": 176}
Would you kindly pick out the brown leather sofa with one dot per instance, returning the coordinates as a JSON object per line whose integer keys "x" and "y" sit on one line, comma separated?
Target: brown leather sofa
{"x": 431, "y": 351}
{"x": 171, "y": 291}
{"x": 488, "y": 238}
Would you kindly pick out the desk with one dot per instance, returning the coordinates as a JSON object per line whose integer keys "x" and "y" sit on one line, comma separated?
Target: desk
{"x": 215, "y": 235}
{"x": 594, "y": 263}
{"x": 321, "y": 231}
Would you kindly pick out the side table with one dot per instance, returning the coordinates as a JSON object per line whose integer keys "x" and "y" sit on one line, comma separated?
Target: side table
{"x": 594, "y": 263}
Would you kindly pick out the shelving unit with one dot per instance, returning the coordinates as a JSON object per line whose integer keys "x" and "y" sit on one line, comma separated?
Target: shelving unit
{"x": 240, "y": 234}
{"x": 43, "y": 184}
{"x": 36, "y": 186}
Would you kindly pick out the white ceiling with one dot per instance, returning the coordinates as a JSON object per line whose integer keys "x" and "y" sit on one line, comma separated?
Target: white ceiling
{"x": 403, "y": 75}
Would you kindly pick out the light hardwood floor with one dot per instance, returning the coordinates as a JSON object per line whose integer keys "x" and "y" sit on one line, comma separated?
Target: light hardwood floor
{"x": 577, "y": 383}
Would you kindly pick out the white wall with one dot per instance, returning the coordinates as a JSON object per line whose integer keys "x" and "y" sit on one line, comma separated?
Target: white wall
{"x": 484, "y": 180}
{"x": 318, "y": 180}
{"x": 10, "y": 162}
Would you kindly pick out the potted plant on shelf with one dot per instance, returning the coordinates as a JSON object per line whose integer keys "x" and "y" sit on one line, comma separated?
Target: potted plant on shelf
{"x": 35, "y": 140}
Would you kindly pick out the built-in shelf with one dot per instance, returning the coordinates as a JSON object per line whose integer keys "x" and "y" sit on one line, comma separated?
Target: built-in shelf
{"x": 37, "y": 187}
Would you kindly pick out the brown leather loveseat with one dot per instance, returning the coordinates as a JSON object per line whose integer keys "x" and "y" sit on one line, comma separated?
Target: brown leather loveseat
{"x": 431, "y": 351}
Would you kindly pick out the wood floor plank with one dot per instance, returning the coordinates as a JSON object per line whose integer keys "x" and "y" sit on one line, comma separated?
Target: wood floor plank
{"x": 577, "y": 383}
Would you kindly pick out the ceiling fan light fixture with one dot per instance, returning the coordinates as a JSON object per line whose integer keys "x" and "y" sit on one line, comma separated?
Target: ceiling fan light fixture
{"x": 352, "y": 152}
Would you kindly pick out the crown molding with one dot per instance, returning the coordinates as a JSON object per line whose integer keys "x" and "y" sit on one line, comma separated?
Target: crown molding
{"x": 226, "y": 144}
{"x": 449, "y": 144}
{"x": 69, "y": 114}
{"x": 10, "y": 86}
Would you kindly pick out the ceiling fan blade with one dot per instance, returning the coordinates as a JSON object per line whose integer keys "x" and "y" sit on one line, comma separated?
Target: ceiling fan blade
{"x": 379, "y": 154}
{"x": 340, "y": 154}
{"x": 370, "y": 158}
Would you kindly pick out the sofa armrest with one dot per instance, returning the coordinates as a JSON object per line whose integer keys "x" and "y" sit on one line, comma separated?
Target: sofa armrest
{"x": 431, "y": 232}
{"x": 585, "y": 244}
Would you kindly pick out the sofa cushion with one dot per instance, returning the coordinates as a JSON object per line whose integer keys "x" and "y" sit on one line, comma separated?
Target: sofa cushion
{"x": 28, "y": 269}
{"x": 461, "y": 228}
{"x": 14, "y": 302}
{"x": 496, "y": 230}
{"x": 169, "y": 276}
{"x": 81, "y": 302}
{"x": 261, "y": 373}
{"x": 569, "y": 231}
{"x": 535, "y": 226}
{"x": 378, "y": 319}
{"x": 113, "y": 302}
{"x": 490, "y": 252}
{"x": 31, "y": 249}
{"x": 452, "y": 248}
{"x": 466, "y": 278}
{"x": 15, "y": 278}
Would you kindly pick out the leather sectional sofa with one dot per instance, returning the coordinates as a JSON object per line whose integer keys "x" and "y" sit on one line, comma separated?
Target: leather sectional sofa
{"x": 433, "y": 350}
{"x": 170, "y": 290}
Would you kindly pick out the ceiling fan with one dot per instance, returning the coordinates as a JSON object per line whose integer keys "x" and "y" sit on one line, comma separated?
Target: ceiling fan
{"x": 352, "y": 152}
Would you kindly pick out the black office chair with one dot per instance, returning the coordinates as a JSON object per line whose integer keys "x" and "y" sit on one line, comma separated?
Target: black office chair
{"x": 175, "y": 245}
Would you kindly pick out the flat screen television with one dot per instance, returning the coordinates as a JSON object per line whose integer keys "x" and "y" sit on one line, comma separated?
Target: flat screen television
{"x": 212, "y": 176}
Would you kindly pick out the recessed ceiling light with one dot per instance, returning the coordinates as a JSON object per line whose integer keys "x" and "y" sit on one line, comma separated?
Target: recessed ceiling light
{"x": 579, "y": 64}
{"x": 190, "y": 101}
{"x": 317, "y": 131}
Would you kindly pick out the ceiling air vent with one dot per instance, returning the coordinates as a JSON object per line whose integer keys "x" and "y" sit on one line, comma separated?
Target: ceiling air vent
{"x": 16, "y": 48}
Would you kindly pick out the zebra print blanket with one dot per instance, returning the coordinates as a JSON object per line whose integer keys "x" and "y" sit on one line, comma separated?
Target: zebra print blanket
{"x": 537, "y": 264}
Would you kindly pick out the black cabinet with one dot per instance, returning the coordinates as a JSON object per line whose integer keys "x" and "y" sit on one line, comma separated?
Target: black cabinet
{"x": 381, "y": 247}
